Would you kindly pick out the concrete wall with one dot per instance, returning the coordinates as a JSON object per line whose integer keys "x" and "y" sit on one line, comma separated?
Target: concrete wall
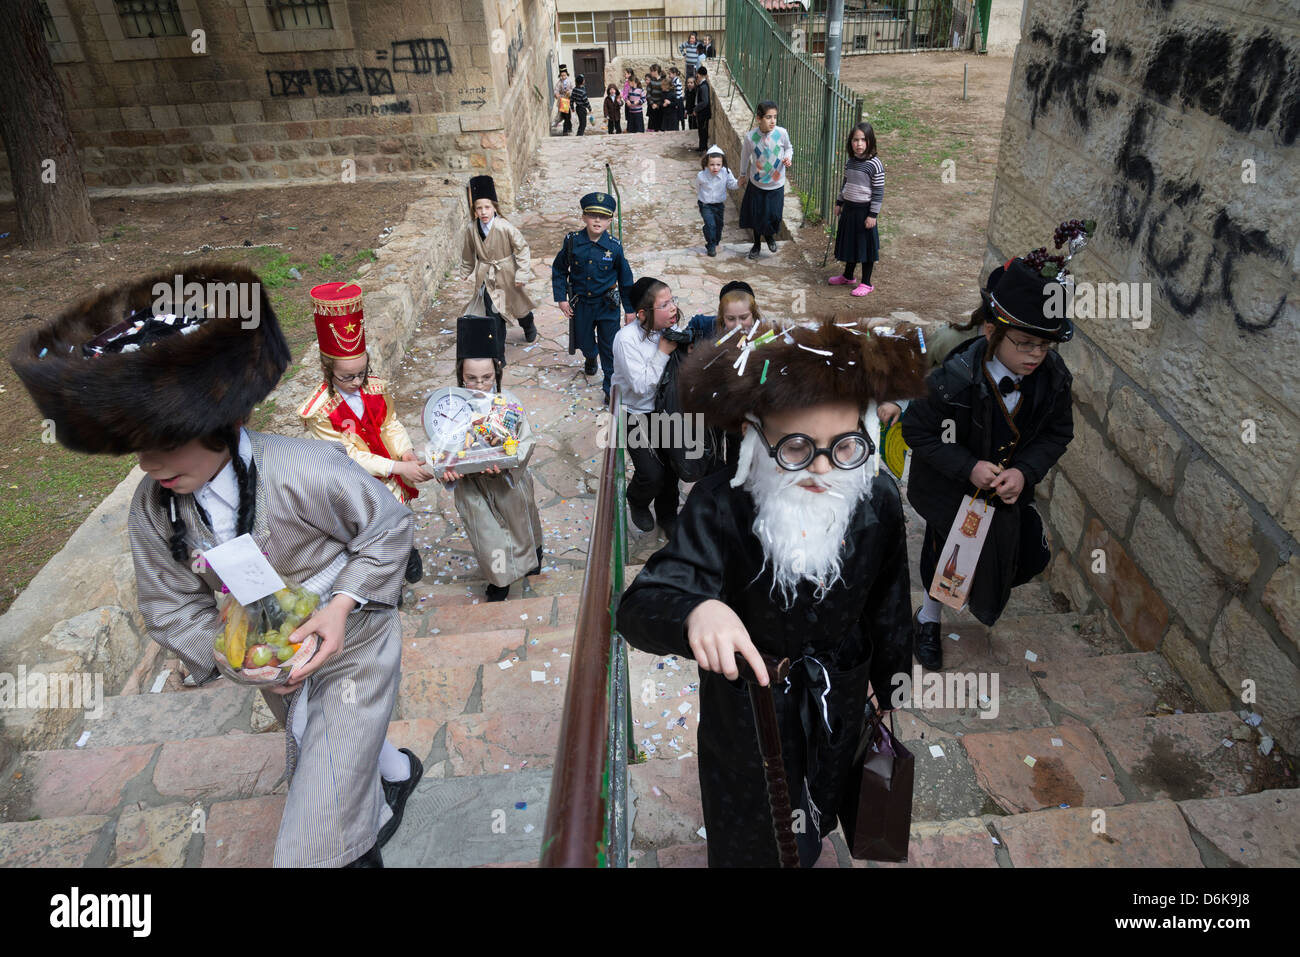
{"x": 1180, "y": 139}
{"x": 1004, "y": 27}
{"x": 398, "y": 85}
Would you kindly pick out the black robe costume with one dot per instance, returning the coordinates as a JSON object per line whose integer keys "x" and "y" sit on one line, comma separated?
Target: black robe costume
{"x": 859, "y": 630}
{"x": 1015, "y": 550}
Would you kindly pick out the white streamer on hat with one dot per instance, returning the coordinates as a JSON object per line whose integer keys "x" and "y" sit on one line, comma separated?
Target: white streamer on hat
{"x": 748, "y": 449}
{"x": 872, "y": 423}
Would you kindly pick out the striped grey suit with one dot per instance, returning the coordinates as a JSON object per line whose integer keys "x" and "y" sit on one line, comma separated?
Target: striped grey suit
{"x": 313, "y": 504}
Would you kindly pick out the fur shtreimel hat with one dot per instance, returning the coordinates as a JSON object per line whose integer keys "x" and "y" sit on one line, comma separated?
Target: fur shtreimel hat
{"x": 135, "y": 369}
{"x": 833, "y": 361}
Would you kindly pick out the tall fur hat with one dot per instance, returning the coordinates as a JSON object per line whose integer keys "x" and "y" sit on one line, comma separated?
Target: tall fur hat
{"x": 831, "y": 361}
{"x": 164, "y": 387}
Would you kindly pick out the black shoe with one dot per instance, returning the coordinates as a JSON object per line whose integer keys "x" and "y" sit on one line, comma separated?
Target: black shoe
{"x": 414, "y": 567}
{"x": 771, "y": 244}
{"x": 753, "y": 251}
{"x": 529, "y": 327}
{"x": 395, "y": 795}
{"x": 369, "y": 859}
{"x": 606, "y": 398}
{"x": 497, "y": 592}
{"x": 538, "y": 569}
{"x": 589, "y": 368}
{"x": 668, "y": 526}
{"x": 641, "y": 517}
{"x": 925, "y": 638}
{"x": 711, "y": 249}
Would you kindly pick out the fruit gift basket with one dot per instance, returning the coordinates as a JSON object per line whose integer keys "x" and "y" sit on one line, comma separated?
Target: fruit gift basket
{"x": 253, "y": 645}
{"x": 472, "y": 431}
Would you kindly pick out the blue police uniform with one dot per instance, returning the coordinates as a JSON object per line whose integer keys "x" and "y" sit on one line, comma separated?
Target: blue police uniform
{"x": 596, "y": 269}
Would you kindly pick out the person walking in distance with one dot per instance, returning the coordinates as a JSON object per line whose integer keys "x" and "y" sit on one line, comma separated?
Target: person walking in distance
{"x": 766, "y": 154}
{"x": 703, "y": 106}
{"x": 581, "y": 103}
{"x": 712, "y": 184}
{"x": 613, "y": 110}
{"x": 563, "y": 90}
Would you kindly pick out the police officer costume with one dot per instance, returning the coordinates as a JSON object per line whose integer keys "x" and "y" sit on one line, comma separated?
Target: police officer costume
{"x": 596, "y": 279}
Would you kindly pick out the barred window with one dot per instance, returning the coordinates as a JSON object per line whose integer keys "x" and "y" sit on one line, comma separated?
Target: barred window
{"x": 579, "y": 27}
{"x": 47, "y": 20}
{"x": 149, "y": 18}
{"x": 300, "y": 14}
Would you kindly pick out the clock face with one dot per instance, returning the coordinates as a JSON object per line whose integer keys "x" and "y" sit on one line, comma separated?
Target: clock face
{"x": 447, "y": 417}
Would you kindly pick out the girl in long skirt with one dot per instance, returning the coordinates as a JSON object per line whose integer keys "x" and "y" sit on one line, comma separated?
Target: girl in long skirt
{"x": 766, "y": 154}
{"x": 857, "y": 239}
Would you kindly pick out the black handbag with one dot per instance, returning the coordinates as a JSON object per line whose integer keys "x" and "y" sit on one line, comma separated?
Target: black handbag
{"x": 877, "y": 809}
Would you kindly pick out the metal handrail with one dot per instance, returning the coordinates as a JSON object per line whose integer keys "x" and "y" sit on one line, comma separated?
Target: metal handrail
{"x": 586, "y": 818}
{"x": 611, "y": 186}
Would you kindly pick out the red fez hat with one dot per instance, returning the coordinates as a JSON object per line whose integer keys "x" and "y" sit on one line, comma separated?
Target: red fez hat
{"x": 340, "y": 324}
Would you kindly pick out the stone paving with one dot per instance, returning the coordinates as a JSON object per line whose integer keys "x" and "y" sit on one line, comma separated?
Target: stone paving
{"x": 1098, "y": 754}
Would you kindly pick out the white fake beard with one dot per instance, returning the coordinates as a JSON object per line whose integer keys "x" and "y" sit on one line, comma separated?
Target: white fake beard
{"x": 801, "y": 532}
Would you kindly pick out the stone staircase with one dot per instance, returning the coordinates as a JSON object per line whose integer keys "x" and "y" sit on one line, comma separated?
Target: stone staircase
{"x": 1096, "y": 756}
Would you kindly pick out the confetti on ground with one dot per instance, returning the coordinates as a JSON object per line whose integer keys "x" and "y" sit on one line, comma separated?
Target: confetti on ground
{"x": 160, "y": 681}
{"x": 954, "y": 636}
{"x": 503, "y": 665}
{"x": 1030, "y": 760}
{"x": 1030, "y": 656}
{"x": 936, "y": 751}
{"x": 1058, "y": 743}
{"x": 81, "y": 741}
{"x": 539, "y": 675}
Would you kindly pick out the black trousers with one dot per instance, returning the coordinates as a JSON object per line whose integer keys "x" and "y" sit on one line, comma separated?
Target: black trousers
{"x": 582, "y": 121}
{"x": 653, "y": 479}
{"x": 703, "y": 120}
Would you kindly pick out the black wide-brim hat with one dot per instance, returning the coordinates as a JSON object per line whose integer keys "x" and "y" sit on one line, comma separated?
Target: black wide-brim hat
{"x": 477, "y": 337}
{"x": 1021, "y": 298}
{"x": 166, "y": 387}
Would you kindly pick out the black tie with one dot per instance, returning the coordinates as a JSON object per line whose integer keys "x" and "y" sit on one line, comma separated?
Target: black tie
{"x": 1007, "y": 385}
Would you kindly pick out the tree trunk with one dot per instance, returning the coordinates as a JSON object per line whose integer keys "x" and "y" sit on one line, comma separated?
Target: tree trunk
{"x": 49, "y": 188}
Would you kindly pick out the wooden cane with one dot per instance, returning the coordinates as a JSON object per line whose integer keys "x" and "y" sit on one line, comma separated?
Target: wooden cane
{"x": 769, "y": 746}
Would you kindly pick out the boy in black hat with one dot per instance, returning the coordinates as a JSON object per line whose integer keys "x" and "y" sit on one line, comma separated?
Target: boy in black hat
{"x": 997, "y": 418}
{"x": 589, "y": 279}
{"x": 563, "y": 90}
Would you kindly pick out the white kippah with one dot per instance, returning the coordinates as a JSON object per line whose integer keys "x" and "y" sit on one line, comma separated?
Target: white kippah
{"x": 715, "y": 148}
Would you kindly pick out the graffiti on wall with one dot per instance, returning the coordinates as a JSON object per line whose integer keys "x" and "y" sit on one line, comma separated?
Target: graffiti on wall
{"x": 418, "y": 57}
{"x": 1248, "y": 82}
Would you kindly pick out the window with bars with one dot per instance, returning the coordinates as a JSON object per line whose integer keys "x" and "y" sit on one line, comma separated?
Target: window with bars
{"x": 588, "y": 27}
{"x": 300, "y": 14}
{"x": 149, "y": 18}
{"x": 47, "y": 20}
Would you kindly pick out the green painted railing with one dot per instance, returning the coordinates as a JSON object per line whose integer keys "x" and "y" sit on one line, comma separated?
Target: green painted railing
{"x": 817, "y": 111}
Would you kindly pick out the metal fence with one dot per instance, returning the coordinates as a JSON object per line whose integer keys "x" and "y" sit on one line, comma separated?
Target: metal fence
{"x": 661, "y": 36}
{"x": 897, "y": 26}
{"x": 817, "y": 111}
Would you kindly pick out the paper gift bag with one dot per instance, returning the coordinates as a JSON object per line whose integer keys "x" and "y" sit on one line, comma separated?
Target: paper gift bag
{"x": 955, "y": 569}
{"x": 877, "y": 809}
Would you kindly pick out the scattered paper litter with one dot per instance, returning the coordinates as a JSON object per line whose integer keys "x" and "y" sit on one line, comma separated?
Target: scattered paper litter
{"x": 1227, "y": 743}
{"x": 954, "y": 636}
{"x": 81, "y": 741}
{"x": 656, "y": 737}
{"x": 681, "y": 756}
{"x": 503, "y": 665}
{"x": 1030, "y": 760}
{"x": 1030, "y": 656}
{"x": 936, "y": 751}
{"x": 655, "y": 790}
{"x": 1058, "y": 743}
{"x": 684, "y": 707}
{"x": 160, "y": 681}
{"x": 1254, "y": 720}
{"x": 539, "y": 675}
{"x": 996, "y": 841}
{"x": 523, "y": 617}
{"x": 702, "y": 833}
{"x": 528, "y": 828}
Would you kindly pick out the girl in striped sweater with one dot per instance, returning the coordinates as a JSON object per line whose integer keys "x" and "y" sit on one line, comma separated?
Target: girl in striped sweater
{"x": 857, "y": 240}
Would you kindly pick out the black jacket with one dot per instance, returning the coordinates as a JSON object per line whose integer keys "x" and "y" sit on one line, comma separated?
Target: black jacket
{"x": 860, "y": 628}
{"x": 940, "y": 471}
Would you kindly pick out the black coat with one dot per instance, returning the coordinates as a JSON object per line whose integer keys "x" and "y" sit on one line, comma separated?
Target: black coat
{"x": 940, "y": 471}
{"x": 860, "y": 629}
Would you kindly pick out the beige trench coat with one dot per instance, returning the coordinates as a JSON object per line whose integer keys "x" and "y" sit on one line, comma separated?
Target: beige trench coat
{"x": 499, "y": 262}
{"x": 500, "y": 516}
{"x": 313, "y": 505}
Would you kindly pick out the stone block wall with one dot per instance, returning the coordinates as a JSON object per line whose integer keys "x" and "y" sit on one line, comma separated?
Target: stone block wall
{"x": 1176, "y": 129}
{"x": 1004, "y": 27}
{"x": 395, "y": 86}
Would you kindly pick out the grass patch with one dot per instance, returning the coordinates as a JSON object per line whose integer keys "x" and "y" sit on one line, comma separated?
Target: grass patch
{"x": 120, "y": 232}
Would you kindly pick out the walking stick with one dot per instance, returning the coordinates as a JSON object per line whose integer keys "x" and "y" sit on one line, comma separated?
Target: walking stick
{"x": 769, "y": 746}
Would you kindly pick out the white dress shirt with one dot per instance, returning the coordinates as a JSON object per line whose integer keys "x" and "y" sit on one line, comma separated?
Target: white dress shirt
{"x": 997, "y": 370}
{"x": 638, "y": 364}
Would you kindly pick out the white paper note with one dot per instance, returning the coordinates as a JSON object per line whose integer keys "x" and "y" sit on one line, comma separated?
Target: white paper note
{"x": 936, "y": 751}
{"x": 242, "y": 568}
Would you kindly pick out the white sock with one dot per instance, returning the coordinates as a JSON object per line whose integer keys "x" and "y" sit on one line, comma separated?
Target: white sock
{"x": 393, "y": 764}
{"x": 930, "y": 611}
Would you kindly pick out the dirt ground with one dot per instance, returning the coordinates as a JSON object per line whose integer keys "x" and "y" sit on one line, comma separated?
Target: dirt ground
{"x": 326, "y": 232}
{"x": 932, "y": 232}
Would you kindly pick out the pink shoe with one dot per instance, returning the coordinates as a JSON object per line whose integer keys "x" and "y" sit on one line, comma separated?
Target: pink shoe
{"x": 862, "y": 289}
{"x": 838, "y": 280}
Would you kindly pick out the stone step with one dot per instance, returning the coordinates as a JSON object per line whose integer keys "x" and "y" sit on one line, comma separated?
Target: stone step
{"x": 76, "y": 841}
{"x": 1069, "y": 768}
{"x": 492, "y": 743}
{"x": 1184, "y": 756}
{"x": 544, "y": 611}
{"x": 1150, "y": 834}
{"x": 1090, "y": 690}
{"x": 1255, "y": 830}
{"x": 664, "y": 802}
{"x": 961, "y": 842}
{"x": 475, "y": 648}
{"x": 1048, "y": 637}
{"x": 216, "y": 707}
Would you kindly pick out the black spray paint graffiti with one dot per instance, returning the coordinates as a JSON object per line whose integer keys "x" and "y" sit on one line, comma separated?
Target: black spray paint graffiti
{"x": 512, "y": 54}
{"x": 1259, "y": 88}
{"x": 422, "y": 56}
